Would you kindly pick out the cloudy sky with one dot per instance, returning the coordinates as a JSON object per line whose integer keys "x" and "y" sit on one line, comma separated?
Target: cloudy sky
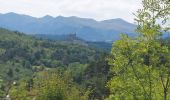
{"x": 97, "y": 9}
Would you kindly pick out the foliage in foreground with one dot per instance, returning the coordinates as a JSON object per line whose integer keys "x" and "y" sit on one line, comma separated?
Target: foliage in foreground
{"x": 141, "y": 65}
{"x": 48, "y": 86}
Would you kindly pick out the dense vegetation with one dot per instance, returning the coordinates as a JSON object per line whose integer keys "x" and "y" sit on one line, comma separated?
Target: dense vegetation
{"x": 22, "y": 57}
{"x": 138, "y": 68}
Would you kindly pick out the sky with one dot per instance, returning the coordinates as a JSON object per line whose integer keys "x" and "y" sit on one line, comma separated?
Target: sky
{"x": 96, "y": 9}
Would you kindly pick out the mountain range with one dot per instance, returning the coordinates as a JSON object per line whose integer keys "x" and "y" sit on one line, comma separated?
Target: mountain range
{"x": 87, "y": 29}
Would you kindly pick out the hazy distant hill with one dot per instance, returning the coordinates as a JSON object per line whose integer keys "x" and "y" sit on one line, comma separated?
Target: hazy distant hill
{"x": 87, "y": 29}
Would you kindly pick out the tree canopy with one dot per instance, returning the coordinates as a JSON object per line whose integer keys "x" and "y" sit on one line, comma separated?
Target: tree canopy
{"x": 141, "y": 65}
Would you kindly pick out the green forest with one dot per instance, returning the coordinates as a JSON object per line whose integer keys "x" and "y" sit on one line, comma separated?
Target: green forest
{"x": 134, "y": 68}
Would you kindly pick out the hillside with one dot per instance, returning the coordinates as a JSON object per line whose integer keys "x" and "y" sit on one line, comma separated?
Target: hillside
{"x": 21, "y": 56}
{"x": 97, "y": 45}
{"x": 87, "y": 29}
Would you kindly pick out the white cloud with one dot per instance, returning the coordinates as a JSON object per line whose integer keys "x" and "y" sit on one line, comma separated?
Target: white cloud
{"x": 98, "y": 9}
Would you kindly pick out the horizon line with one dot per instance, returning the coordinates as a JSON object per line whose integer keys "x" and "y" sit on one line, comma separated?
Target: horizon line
{"x": 65, "y": 17}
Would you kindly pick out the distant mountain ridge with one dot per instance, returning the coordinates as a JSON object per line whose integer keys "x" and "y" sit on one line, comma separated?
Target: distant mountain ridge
{"x": 87, "y": 29}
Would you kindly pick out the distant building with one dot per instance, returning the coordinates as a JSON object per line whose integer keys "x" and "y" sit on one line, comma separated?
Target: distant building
{"x": 76, "y": 40}
{"x": 72, "y": 37}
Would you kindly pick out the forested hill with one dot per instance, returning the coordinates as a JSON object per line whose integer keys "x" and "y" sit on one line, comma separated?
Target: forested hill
{"x": 22, "y": 55}
{"x": 18, "y": 48}
{"x": 106, "y": 46}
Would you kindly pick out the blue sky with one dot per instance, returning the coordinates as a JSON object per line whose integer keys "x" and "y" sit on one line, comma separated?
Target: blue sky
{"x": 97, "y": 9}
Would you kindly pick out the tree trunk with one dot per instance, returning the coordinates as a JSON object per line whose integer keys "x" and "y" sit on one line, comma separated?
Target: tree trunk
{"x": 165, "y": 94}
